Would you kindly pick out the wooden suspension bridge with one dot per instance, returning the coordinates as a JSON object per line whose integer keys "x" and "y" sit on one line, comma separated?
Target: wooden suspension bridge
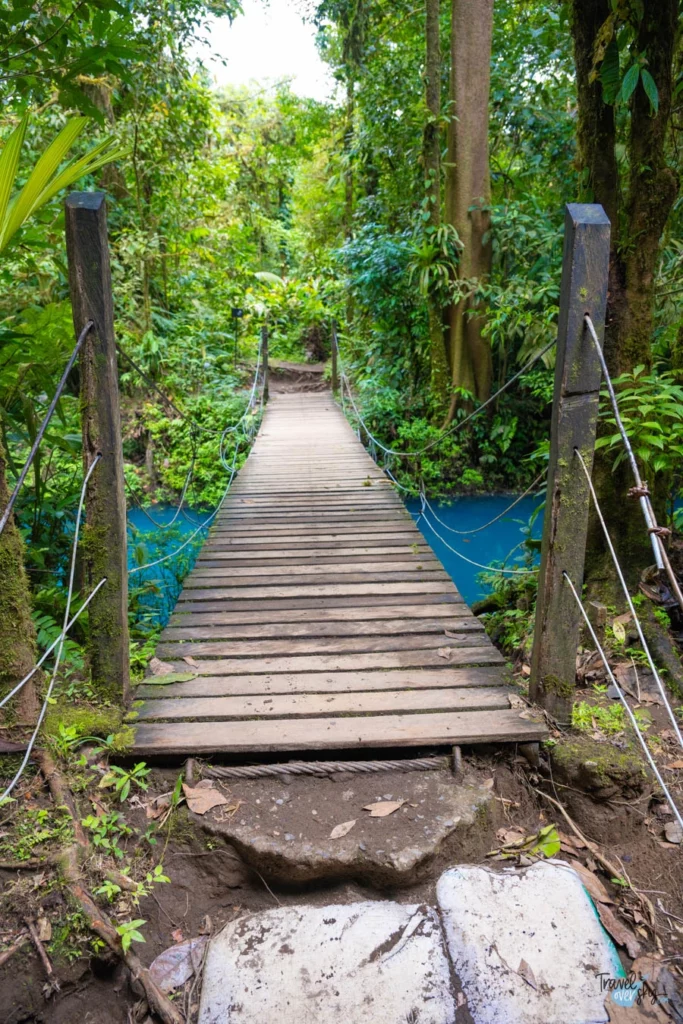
{"x": 317, "y": 617}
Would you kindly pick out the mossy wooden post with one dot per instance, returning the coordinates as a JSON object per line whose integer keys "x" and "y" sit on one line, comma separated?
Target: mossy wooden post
{"x": 104, "y": 533}
{"x": 573, "y": 425}
{"x": 264, "y": 359}
{"x": 335, "y": 368}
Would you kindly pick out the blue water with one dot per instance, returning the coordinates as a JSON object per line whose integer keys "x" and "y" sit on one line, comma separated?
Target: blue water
{"x": 495, "y": 544}
{"x": 154, "y": 591}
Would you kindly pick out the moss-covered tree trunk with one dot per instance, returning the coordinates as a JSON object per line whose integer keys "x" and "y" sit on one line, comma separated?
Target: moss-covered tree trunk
{"x": 17, "y": 632}
{"x": 431, "y": 143}
{"x": 468, "y": 187}
{"x": 638, "y": 209}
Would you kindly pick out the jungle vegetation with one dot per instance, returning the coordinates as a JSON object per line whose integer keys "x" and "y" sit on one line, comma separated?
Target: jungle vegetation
{"x": 421, "y": 210}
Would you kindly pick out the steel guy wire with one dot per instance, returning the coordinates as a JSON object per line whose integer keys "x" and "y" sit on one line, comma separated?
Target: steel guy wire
{"x": 478, "y": 529}
{"x": 43, "y": 426}
{"x": 488, "y": 568}
{"x": 60, "y": 649}
{"x": 627, "y": 595}
{"x": 52, "y": 646}
{"x": 202, "y": 526}
{"x": 645, "y": 505}
{"x": 455, "y": 426}
{"x": 627, "y": 708}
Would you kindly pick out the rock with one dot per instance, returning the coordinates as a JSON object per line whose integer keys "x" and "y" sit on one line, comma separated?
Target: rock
{"x": 379, "y": 962}
{"x": 526, "y": 944}
{"x": 382, "y": 851}
{"x": 599, "y": 769}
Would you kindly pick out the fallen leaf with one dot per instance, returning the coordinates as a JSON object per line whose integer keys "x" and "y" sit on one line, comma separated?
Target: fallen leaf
{"x": 525, "y": 972}
{"x": 487, "y": 783}
{"x": 622, "y": 935}
{"x": 44, "y": 929}
{"x": 673, "y": 832}
{"x": 507, "y": 836}
{"x": 193, "y": 662}
{"x": 445, "y": 652}
{"x": 341, "y": 830}
{"x": 159, "y": 668}
{"x": 155, "y": 807}
{"x": 453, "y": 636}
{"x": 176, "y": 965}
{"x": 526, "y": 670}
{"x": 171, "y": 677}
{"x": 201, "y": 799}
{"x": 619, "y": 631}
{"x": 592, "y": 883}
{"x": 674, "y": 766}
{"x": 177, "y": 935}
{"x": 574, "y": 841}
{"x": 516, "y": 701}
{"x": 383, "y": 808}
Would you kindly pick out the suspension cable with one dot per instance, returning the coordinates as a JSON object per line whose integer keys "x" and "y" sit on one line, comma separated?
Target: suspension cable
{"x": 622, "y": 698}
{"x": 43, "y": 426}
{"x": 643, "y": 497}
{"x": 488, "y": 568}
{"x": 478, "y": 529}
{"x": 52, "y": 646}
{"x": 627, "y": 595}
{"x": 60, "y": 649}
{"x": 148, "y": 380}
{"x": 449, "y": 430}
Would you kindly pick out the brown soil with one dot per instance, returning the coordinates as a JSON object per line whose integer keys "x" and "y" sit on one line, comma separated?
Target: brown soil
{"x": 209, "y": 880}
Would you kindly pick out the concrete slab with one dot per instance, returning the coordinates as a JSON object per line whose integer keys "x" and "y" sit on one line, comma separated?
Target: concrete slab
{"x": 375, "y": 961}
{"x": 284, "y": 831}
{"x": 526, "y": 944}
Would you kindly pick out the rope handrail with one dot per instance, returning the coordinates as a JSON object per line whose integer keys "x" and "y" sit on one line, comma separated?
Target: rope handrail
{"x": 478, "y": 529}
{"x": 622, "y": 581}
{"x": 622, "y": 698}
{"x": 67, "y": 611}
{"x": 44, "y": 425}
{"x": 448, "y": 430}
{"x": 478, "y": 565}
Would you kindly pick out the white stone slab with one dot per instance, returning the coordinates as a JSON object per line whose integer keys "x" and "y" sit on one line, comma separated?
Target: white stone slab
{"x": 364, "y": 963}
{"x": 542, "y": 915}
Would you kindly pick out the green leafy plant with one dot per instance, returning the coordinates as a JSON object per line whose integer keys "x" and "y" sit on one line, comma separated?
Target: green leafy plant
{"x": 122, "y": 779}
{"x": 106, "y": 832}
{"x": 46, "y": 179}
{"x": 129, "y": 933}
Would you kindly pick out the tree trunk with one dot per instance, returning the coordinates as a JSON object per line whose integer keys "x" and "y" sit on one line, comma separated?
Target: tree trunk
{"x": 468, "y": 187}
{"x": 17, "y": 632}
{"x": 638, "y": 221}
{"x": 431, "y": 143}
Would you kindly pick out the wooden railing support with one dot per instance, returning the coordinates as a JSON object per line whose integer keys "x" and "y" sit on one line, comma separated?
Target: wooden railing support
{"x": 573, "y": 426}
{"x": 335, "y": 368}
{"x": 104, "y": 532}
{"x": 264, "y": 360}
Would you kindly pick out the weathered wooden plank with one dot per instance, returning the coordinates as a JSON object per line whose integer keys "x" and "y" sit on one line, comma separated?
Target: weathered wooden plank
{"x": 323, "y": 644}
{"x": 315, "y": 602}
{"x": 319, "y": 706}
{"x": 484, "y": 655}
{"x": 316, "y": 590}
{"x": 257, "y": 573}
{"x": 324, "y": 682}
{"x": 350, "y": 627}
{"x": 440, "y": 729}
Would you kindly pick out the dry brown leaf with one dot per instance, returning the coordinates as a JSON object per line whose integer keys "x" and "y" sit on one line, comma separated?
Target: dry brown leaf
{"x": 445, "y": 652}
{"x": 160, "y": 668}
{"x": 574, "y": 841}
{"x": 674, "y": 766}
{"x": 202, "y": 798}
{"x": 508, "y": 836}
{"x": 176, "y": 965}
{"x": 488, "y": 783}
{"x": 383, "y": 808}
{"x": 177, "y": 935}
{"x": 341, "y": 830}
{"x": 193, "y": 662}
{"x": 158, "y": 805}
{"x": 44, "y": 929}
{"x": 592, "y": 883}
{"x": 525, "y": 972}
{"x": 622, "y": 935}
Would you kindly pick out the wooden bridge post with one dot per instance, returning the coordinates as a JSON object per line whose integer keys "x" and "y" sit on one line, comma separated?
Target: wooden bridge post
{"x": 335, "y": 368}
{"x": 104, "y": 532}
{"x": 574, "y": 419}
{"x": 264, "y": 358}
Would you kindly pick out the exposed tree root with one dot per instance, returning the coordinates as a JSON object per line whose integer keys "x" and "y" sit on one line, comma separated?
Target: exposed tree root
{"x": 99, "y": 922}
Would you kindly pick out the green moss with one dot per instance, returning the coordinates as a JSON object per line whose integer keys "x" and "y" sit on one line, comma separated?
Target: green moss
{"x": 560, "y": 687}
{"x": 123, "y": 740}
{"x": 88, "y": 720}
{"x": 594, "y": 766}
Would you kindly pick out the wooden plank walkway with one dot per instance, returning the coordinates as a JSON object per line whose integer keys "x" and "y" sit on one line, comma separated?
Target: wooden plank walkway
{"x": 317, "y": 617}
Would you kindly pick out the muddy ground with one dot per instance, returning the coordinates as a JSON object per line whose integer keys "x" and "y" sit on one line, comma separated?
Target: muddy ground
{"x": 211, "y": 884}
